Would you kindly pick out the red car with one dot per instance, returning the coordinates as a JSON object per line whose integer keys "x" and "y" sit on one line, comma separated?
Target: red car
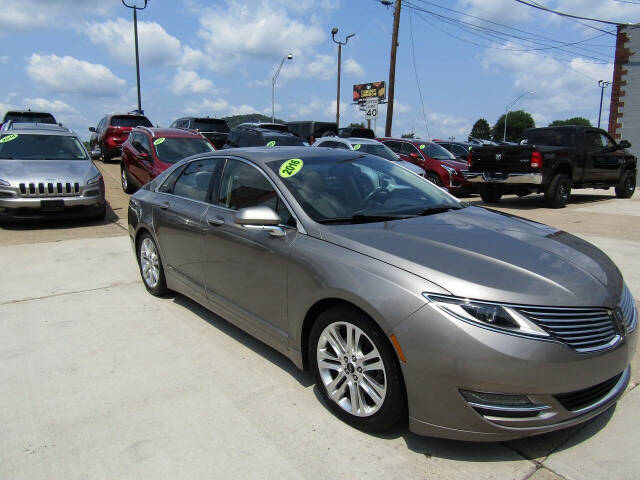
{"x": 441, "y": 166}
{"x": 112, "y": 131}
{"x": 150, "y": 151}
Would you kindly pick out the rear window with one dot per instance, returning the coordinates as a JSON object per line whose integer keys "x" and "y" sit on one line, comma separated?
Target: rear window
{"x": 283, "y": 140}
{"x": 552, "y": 137}
{"x": 130, "y": 121}
{"x": 41, "y": 147}
{"x": 29, "y": 117}
{"x": 436, "y": 151}
{"x": 174, "y": 149}
{"x": 210, "y": 125}
{"x": 377, "y": 149}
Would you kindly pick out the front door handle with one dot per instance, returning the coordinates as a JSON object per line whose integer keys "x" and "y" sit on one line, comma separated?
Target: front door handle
{"x": 215, "y": 221}
{"x": 164, "y": 205}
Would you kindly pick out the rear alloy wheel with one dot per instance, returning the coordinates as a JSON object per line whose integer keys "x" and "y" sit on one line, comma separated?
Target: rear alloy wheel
{"x": 627, "y": 184}
{"x": 151, "y": 266}
{"x": 490, "y": 194}
{"x": 435, "y": 179}
{"x": 356, "y": 370}
{"x": 558, "y": 192}
{"x": 124, "y": 178}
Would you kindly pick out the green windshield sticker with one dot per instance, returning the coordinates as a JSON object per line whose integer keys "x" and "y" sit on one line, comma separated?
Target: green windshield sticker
{"x": 356, "y": 146}
{"x": 158, "y": 141}
{"x": 290, "y": 167}
{"x": 8, "y": 138}
{"x": 422, "y": 147}
{"x": 272, "y": 143}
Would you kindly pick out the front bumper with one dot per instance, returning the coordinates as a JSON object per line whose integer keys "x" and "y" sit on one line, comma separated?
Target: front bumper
{"x": 508, "y": 178}
{"x": 445, "y": 356}
{"x": 89, "y": 203}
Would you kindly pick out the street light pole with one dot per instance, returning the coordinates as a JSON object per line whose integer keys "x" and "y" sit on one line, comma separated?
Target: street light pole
{"x": 602, "y": 84}
{"x": 273, "y": 88}
{"x": 135, "y": 35}
{"x": 334, "y": 31}
{"x": 392, "y": 66}
{"x": 506, "y": 112}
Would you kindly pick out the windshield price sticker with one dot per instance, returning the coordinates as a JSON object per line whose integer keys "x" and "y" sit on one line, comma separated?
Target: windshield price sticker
{"x": 290, "y": 167}
{"x": 158, "y": 141}
{"x": 272, "y": 143}
{"x": 356, "y": 146}
{"x": 8, "y": 138}
{"x": 422, "y": 147}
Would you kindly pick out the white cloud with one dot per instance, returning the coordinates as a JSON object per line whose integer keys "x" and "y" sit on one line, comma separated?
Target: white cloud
{"x": 219, "y": 106}
{"x": 55, "y": 106}
{"x": 504, "y": 11}
{"x": 352, "y": 67}
{"x": 20, "y": 15}
{"x": 604, "y": 9}
{"x": 70, "y": 75}
{"x": 187, "y": 82}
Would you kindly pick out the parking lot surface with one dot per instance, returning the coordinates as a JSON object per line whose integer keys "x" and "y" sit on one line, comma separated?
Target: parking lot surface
{"x": 100, "y": 380}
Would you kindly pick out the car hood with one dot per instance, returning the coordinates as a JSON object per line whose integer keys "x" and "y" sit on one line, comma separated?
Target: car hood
{"x": 25, "y": 171}
{"x": 456, "y": 164}
{"x": 480, "y": 254}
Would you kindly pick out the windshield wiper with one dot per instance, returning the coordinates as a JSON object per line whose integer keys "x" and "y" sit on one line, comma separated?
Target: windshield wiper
{"x": 362, "y": 218}
{"x": 434, "y": 210}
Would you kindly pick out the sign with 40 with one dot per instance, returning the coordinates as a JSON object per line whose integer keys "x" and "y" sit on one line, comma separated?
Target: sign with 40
{"x": 371, "y": 109}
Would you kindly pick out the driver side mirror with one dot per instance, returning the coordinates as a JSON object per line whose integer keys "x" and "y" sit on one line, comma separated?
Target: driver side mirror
{"x": 92, "y": 129}
{"x": 259, "y": 218}
{"x": 144, "y": 155}
{"x": 414, "y": 155}
{"x": 624, "y": 144}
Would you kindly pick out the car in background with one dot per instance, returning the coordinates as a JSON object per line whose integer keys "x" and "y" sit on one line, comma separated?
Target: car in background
{"x": 112, "y": 131}
{"x": 263, "y": 135}
{"x": 441, "y": 166}
{"x": 150, "y": 151}
{"x": 45, "y": 172}
{"x": 27, "y": 116}
{"x": 366, "y": 145}
{"x": 216, "y": 130}
{"x": 459, "y": 149}
{"x": 358, "y": 132}
{"x": 311, "y": 130}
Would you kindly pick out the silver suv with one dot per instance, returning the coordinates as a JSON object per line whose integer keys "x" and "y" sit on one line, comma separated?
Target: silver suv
{"x": 45, "y": 171}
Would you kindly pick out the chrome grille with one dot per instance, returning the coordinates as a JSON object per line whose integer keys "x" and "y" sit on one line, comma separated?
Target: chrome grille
{"x": 584, "y": 329}
{"x": 49, "y": 189}
{"x": 628, "y": 309}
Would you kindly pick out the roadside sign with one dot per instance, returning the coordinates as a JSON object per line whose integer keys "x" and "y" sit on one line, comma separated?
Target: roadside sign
{"x": 369, "y": 90}
{"x": 371, "y": 109}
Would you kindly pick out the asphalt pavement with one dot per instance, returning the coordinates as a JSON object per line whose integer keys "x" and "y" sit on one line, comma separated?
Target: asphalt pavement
{"x": 100, "y": 380}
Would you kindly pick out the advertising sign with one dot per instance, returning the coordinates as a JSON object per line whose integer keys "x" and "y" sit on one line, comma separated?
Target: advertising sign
{"x": 369, "y": 90}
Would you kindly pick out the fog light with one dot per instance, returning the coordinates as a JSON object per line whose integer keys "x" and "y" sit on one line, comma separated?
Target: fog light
{"x": 497, "y": 399}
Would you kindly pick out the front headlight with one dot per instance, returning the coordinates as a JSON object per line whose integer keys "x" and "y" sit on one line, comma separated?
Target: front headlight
{"x": 493, "y": 316}
{"x": 94, "y": 180}
{"x": 449, "y": 169}
{"x": 4, "y": 183}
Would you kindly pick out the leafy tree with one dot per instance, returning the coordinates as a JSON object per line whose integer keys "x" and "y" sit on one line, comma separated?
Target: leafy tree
{"x": 517, "y": 122}
{"x": 235, "y": 120}
{"x": 356, "y": 125}
{"x": 481, "y": 129}
{"x": 571, "y": 121}
{"x": 408, "y": 135}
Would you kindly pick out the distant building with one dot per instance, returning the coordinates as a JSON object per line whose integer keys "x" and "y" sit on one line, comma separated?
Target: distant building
{"x": 624, "y": 112}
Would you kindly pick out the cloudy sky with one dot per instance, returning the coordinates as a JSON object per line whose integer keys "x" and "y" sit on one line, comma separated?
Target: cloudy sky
{"x": 75, "y": 58}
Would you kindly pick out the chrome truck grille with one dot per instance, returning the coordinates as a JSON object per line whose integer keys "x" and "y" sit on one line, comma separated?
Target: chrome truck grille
{"x": 49, "y": 189}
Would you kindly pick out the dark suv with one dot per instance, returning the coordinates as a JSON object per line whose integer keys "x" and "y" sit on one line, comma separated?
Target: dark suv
{"x": 112, "y": 131}
{"x": 216, "y": 130}
{"x": 263, "y": 135}
{"x": 311, "y": 130}
{"x": 27, "y": 116}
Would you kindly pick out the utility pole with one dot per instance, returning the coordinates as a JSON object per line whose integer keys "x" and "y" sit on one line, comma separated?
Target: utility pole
{"x": 135, "y": 36}
{"x": 602, "y": 84}
{"x": 392, "y": 67}
{"x": 334, "y": 31}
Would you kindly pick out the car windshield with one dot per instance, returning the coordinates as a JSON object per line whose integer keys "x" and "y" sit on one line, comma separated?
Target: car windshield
{"x": 130, "y": 121}
{"x": 41, "y": 147}
{"x": 439, "y": 153}
{"x": 29, "y": 117}
{"x": 359, "y": 188}
{"x": 283, "y": 140}
{"x": 377, "y": 149}
{"x": 174, "y": 149}
{"x": 210, "y": 125}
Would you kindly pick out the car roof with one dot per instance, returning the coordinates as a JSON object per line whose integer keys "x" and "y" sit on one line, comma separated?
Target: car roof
{"x": 168, "y": 132}
{"x": 417, "y": 141}
{"x": 38, "y": 129}
{"x": 31, "y": 112}
{"x": 264, "y": 155}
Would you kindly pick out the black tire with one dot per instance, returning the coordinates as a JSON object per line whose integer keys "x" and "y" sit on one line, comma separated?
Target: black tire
{"x": 393, "y": 407}
{"x": 434, "y": 178}
{"x": 627, "y": 184}
{"x": 490, "y": 194}
{"x": 558, "y": 192}
{"x": 125, "y": 180}
{"x": 160, "y": 288}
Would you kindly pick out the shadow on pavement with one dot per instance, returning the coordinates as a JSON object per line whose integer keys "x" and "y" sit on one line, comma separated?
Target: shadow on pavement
{"x": 53, "y": 223}
{"x": 531, "y": 202}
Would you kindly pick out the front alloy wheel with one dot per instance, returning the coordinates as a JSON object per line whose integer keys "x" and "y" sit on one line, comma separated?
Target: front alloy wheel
{"x": 151, "y": 266}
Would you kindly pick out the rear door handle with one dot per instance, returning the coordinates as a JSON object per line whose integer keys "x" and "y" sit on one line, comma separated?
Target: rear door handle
{"x": 215, "y": 221}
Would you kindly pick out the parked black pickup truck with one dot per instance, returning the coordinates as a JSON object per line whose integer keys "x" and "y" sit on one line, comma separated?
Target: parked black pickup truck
{"x": 552, "y": 161}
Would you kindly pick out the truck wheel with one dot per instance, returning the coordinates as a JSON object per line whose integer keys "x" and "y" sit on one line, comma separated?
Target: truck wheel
{"x": 490, "y": 194}
{"x": 558, "y": 191}
{"x": 627, "y": 184}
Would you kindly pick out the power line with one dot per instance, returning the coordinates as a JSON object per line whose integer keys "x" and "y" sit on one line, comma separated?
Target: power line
{"x": 581, "y": 23}
{"x": 568, "y": 15}
{"x": 415, "y": 71}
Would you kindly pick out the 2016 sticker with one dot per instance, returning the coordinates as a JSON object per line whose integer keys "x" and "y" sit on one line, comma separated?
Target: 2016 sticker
{"x": 357, "y": 146}
{"x": 422, "y": 147}
{"x": 272, "y": 143}
{"x": 158, "y": 141}
{"x": 290, "y": 167}
{"x": 8, "y": 138}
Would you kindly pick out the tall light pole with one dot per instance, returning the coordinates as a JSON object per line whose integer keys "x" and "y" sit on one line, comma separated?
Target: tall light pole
{"x": 506, "y": 112}
{"x": 602, "y": 84}
{"x": 273, "y": 88}
{"x": 334, "y": 31}
{"x": 392, "y": 64}
{"x": 135, "y": 35}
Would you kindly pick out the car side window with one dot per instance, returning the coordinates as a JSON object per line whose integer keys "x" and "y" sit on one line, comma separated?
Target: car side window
{"x": 246, "y": 139}
{"x": 395, "y": 147}
{"x": 341, "y": 146}
{"x": 195, "y": 180}
{"x": 606, "y": 141}
{"x": 233, "y": 138}
{"x": 100, "y": 125}
{"x": 408, "y": 149}
{"x": 167, "y": 185}
{"x": 592, "y": 139}
{"x": 243, "y": 186}
{"x": 174, "y": 124}
{"x": 143, "y": 142}
{"x": 133, "y": 140}
{"x": 459, "y": 151}
{"x": 328, "y": 144}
